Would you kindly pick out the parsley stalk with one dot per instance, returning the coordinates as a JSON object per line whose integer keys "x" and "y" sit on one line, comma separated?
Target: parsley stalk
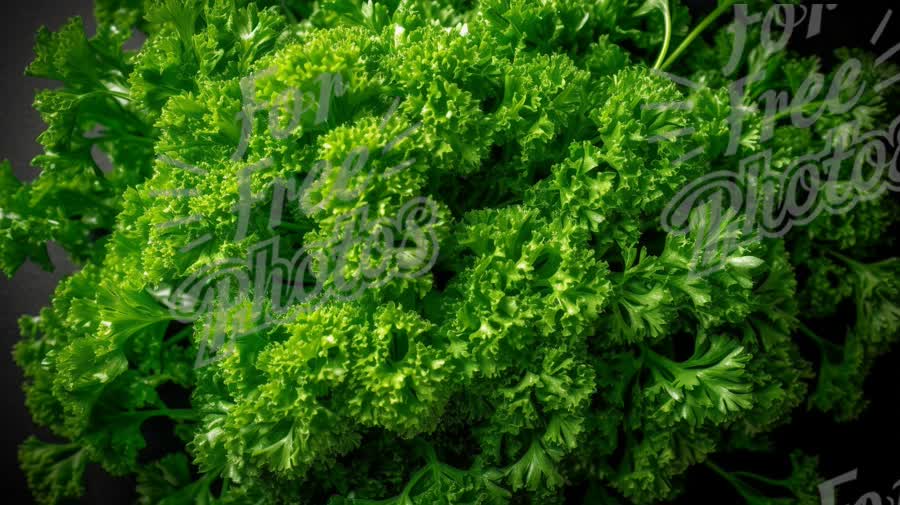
{"x": 708, "y": 20}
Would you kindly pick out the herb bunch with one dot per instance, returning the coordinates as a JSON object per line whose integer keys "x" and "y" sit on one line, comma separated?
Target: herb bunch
{"x": 560, "y": 349}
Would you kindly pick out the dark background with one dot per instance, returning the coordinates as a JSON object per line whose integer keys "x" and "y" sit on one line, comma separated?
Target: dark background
{"x": 871, "y": 444}
{"x": 31, "y": 287}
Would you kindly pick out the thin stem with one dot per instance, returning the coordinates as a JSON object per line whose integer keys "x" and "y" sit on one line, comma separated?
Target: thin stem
{"x": 105, "y": 92}
{"x": 134, "y": 138}
{"x": 849, "y": 261}
{"x": 175, "y": 414}
{"x": 416, "y": 477}
{"x": 225, "y": 485}
{"x": 667, "y": 19}
{"x": 293, "y": 227}
{"x": 118, "y": 94}
{"x": 714, "y": 15}
{"x": 821, "y": 342}
{"x": 654, "y": 359}
{"x": 178, "y": 337}
{"x": 722, "y": 473}
{"x": 741, "y": 487}
{"x": 787, "y": 112}
{"x": 760, "y": 478}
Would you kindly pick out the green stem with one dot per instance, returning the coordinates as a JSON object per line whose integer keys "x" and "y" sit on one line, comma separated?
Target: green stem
{"x": 760, "y": 478}
{"x": 714, "y": 15}
{"x": 174, "y": 414}
{"x": 117, "y": 94}
{"x": 134, "y": 138}
{"x": 787, "y": 112}
{"x": 103, "y": 91}
{"x": 178, "y": 337}
{"x": 143, "y": 415}
{"x": 716, "y": 468}
{"x": 846, "y": 259}
{"x": 667, "y": 19}
{"x": 656, "y": 360}
{"x": 734, "y": 481}
{"x": 416, "y": 477}
{"x": 821, "y": 342}
{"x": 293, "y": 227}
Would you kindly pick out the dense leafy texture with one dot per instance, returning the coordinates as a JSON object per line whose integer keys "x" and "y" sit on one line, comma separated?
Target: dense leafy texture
{"x": 527, "y": 332}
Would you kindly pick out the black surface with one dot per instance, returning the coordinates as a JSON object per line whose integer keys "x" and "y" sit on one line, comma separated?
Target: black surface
{"x": 871, "y": 444}
{"x": 31, "y": 287}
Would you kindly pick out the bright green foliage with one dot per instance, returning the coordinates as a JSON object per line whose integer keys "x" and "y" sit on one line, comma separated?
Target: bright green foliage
{"x": 470, "y": 194}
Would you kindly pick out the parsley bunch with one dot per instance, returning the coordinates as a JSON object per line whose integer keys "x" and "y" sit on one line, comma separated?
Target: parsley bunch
{"x": 472, "y": 192}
